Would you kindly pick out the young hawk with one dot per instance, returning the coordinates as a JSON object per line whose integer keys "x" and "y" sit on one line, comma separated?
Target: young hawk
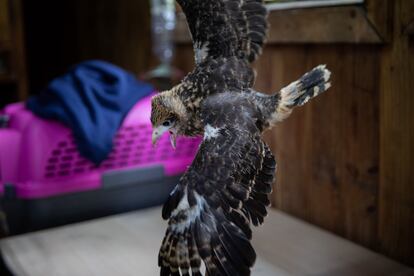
{"x": 227, "y": 36}
{"x": 226, "y": 187}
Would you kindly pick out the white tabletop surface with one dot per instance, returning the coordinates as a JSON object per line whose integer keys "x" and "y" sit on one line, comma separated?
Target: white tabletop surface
{"x": 128, "y": 244}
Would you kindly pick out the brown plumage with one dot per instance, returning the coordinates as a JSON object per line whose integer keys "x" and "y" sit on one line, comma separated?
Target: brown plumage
{"x": 226, "y": 187}
{"x": 227, "y": 36}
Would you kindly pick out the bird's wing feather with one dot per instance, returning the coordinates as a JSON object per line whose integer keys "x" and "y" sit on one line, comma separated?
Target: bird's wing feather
{"x": 223, "y": 28}
{"x": 225, "y": 189}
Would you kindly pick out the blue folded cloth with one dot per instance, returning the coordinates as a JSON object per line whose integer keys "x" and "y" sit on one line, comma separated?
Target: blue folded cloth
{"x": 92, "y": 99}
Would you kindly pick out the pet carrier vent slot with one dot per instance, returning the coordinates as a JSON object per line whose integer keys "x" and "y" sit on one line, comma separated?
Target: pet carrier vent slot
{"x": 132, "y": 147}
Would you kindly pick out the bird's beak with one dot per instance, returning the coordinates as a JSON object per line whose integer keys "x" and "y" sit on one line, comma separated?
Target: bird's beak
{"x": 173, "y": 139}
{"x": 157, "y": 133}
{"x": 155, "y": 137}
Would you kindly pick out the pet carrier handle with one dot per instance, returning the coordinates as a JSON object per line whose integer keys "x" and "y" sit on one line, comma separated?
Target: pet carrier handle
{"x": 116, "y": 179}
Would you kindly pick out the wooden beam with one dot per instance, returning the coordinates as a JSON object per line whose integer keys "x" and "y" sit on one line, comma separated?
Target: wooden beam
{"x": 381, "y": 16}
{"x": 342, "y": 24}
{"x": 346, "y": 24}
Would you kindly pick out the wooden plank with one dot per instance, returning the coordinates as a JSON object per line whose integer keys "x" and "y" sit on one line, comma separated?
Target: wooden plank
{"x": 6, "y": 45}
{"x": 127, "y": 244}
{"x": 7, "y": 79}
{"x": 396, "y": 200}
{"x": 4, "y": 21}
{"x": 18, "y": 65}
{"x": 345, "y": 24}
{"x": 327, "y": 151}
{"x": 381, "y": 16}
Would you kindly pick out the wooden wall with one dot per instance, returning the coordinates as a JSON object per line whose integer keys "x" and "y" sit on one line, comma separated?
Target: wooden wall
{"x": 344, "y": 159}
{"x": 328, "y": 150}
{"x": 396, "y": 191}
{"x": 63, "y": 33}
{"x": 13, "y": 81}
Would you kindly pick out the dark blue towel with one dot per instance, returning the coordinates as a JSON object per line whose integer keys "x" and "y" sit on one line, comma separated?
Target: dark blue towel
{"x": 92, "y": 99}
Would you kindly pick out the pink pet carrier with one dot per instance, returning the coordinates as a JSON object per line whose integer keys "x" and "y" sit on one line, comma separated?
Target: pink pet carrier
{"x": 39, "y": 159}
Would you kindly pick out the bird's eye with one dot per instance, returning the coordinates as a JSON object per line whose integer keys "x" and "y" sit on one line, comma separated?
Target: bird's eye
{"x": 169, "y": 121}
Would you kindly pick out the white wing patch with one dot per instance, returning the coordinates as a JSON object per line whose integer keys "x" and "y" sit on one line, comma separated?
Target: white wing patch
{"x": 200, "y": 51}
{"x": 191, "y": 213}
{"x": 210, "y": 132}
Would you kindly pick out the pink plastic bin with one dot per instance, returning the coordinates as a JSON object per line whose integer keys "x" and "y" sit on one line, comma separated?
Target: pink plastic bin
{"x": 39, "y": 157}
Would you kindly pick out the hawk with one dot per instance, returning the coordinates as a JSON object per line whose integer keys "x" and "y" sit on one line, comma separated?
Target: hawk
{"x": 226, "y": 188}
{"x": 227, "y": 35}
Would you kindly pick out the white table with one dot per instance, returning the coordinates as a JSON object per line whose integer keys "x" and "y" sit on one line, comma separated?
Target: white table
{"x": 128, "y": 244}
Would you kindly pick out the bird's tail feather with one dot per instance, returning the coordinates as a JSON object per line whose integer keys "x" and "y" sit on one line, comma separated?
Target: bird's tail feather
{"x": 301, "y": 91}
{"x": 199, "y": 233}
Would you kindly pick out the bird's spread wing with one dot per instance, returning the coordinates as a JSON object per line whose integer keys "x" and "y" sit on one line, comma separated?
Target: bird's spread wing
{"x": 223, "y": 28}
{"x": 224, "y": 189}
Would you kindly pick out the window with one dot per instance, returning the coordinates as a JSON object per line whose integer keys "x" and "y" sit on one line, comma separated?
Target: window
{"x": 295, "y": 4}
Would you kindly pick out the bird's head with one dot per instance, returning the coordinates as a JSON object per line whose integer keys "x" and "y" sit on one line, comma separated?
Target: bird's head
{"x": 167, "y": 114}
